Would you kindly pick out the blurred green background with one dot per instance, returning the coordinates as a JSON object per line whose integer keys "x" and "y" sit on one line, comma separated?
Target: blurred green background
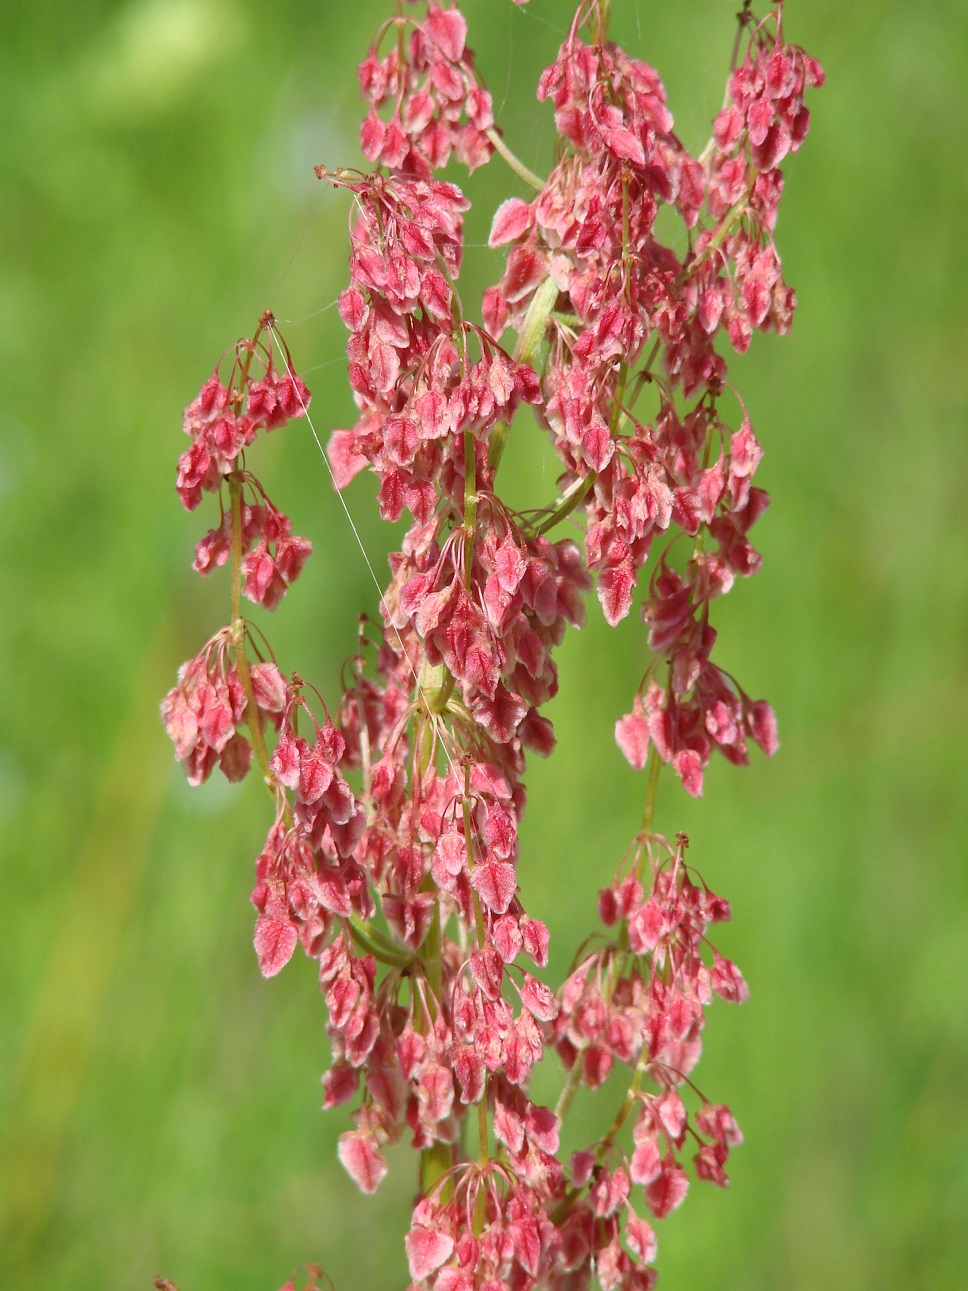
{"x": 158, "y": 1100}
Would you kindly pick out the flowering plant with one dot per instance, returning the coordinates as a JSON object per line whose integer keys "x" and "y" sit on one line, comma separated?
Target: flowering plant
{"x": 393, "y": 856}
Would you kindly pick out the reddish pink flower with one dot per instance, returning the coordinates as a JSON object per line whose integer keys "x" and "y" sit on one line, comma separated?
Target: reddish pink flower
{"x": 362, "y": 1160}
{"x": 667, "y": 1192}
{"x": 425, "y": 100}
{"x": 275, "y": 940}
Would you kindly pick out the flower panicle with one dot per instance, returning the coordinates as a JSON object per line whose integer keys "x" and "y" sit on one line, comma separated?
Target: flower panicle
{"x": 394, "y": 854}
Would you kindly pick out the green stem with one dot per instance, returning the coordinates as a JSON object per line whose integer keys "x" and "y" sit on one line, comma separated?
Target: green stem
{"x": 483, "y": 1144}
{"x": 457, "y": 306}
{"x": 622, "y": 1114}
{"x": 431, "y": 951}
{"x": 643, "y": 375}
{"x": 435, "y": 1161}
{"x": 567, "y": 503}
{"x": 519, "y": 168}
{"x": 618, "y": 405}
{"x": 606, "y": 1143}
{"x": 479, "y": 927}
{"x": 654, "y": 765}
{"x": 435, "y": 686}
{"x": 536, "y": 322}
{"x": 727, "y": 224}
{"x": 526, "y": 351}
{"x": 604, "y": 15}
{"x": 252, "y": 715}
{"x": 567, "y": 1095}
{"x": 651, "y": 788}
{"x": 470, "y": 506}
{"x": 374, "y": 943}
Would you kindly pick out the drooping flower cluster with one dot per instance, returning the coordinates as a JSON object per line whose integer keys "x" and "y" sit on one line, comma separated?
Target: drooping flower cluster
{"x": 498, "y": 644}
{"x": 641, "y": 997}
{"x": 307, "y": 874}
{"x": 223, "y": 420}
{"x": 410, "y": 357}
{"x": 591, "y": 232}
{"x": 425, "y": 99}
{"x": 440, "y": 844}
{"x": 203, "y": 712}
{"x": 737, "y": 277}
{"x": 393, "y": 857}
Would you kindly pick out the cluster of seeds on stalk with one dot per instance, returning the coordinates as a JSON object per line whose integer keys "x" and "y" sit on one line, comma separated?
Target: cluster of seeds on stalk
{"x": 394, "y": 850}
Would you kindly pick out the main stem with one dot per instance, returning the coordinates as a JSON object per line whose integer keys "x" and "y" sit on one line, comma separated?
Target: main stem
{"x": 252, "y": 715}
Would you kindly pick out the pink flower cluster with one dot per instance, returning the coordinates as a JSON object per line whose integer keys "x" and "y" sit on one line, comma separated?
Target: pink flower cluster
{"x": 275, "y": 555}
{"x": 591, "y": 231}
{"x": 203, "y": 712}
{"x": 427, "y": 91}
{"x": 497, "y": 645}
{"x": 411, "y": 364}
{"x": 738, "y": 279}
{"x": 439, "y": 844}
{"x": 222, "y": 421}
{"x": 656, "y": 1006}
{"x": 307, "y": 876}
{"x": 393, "y": 857}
